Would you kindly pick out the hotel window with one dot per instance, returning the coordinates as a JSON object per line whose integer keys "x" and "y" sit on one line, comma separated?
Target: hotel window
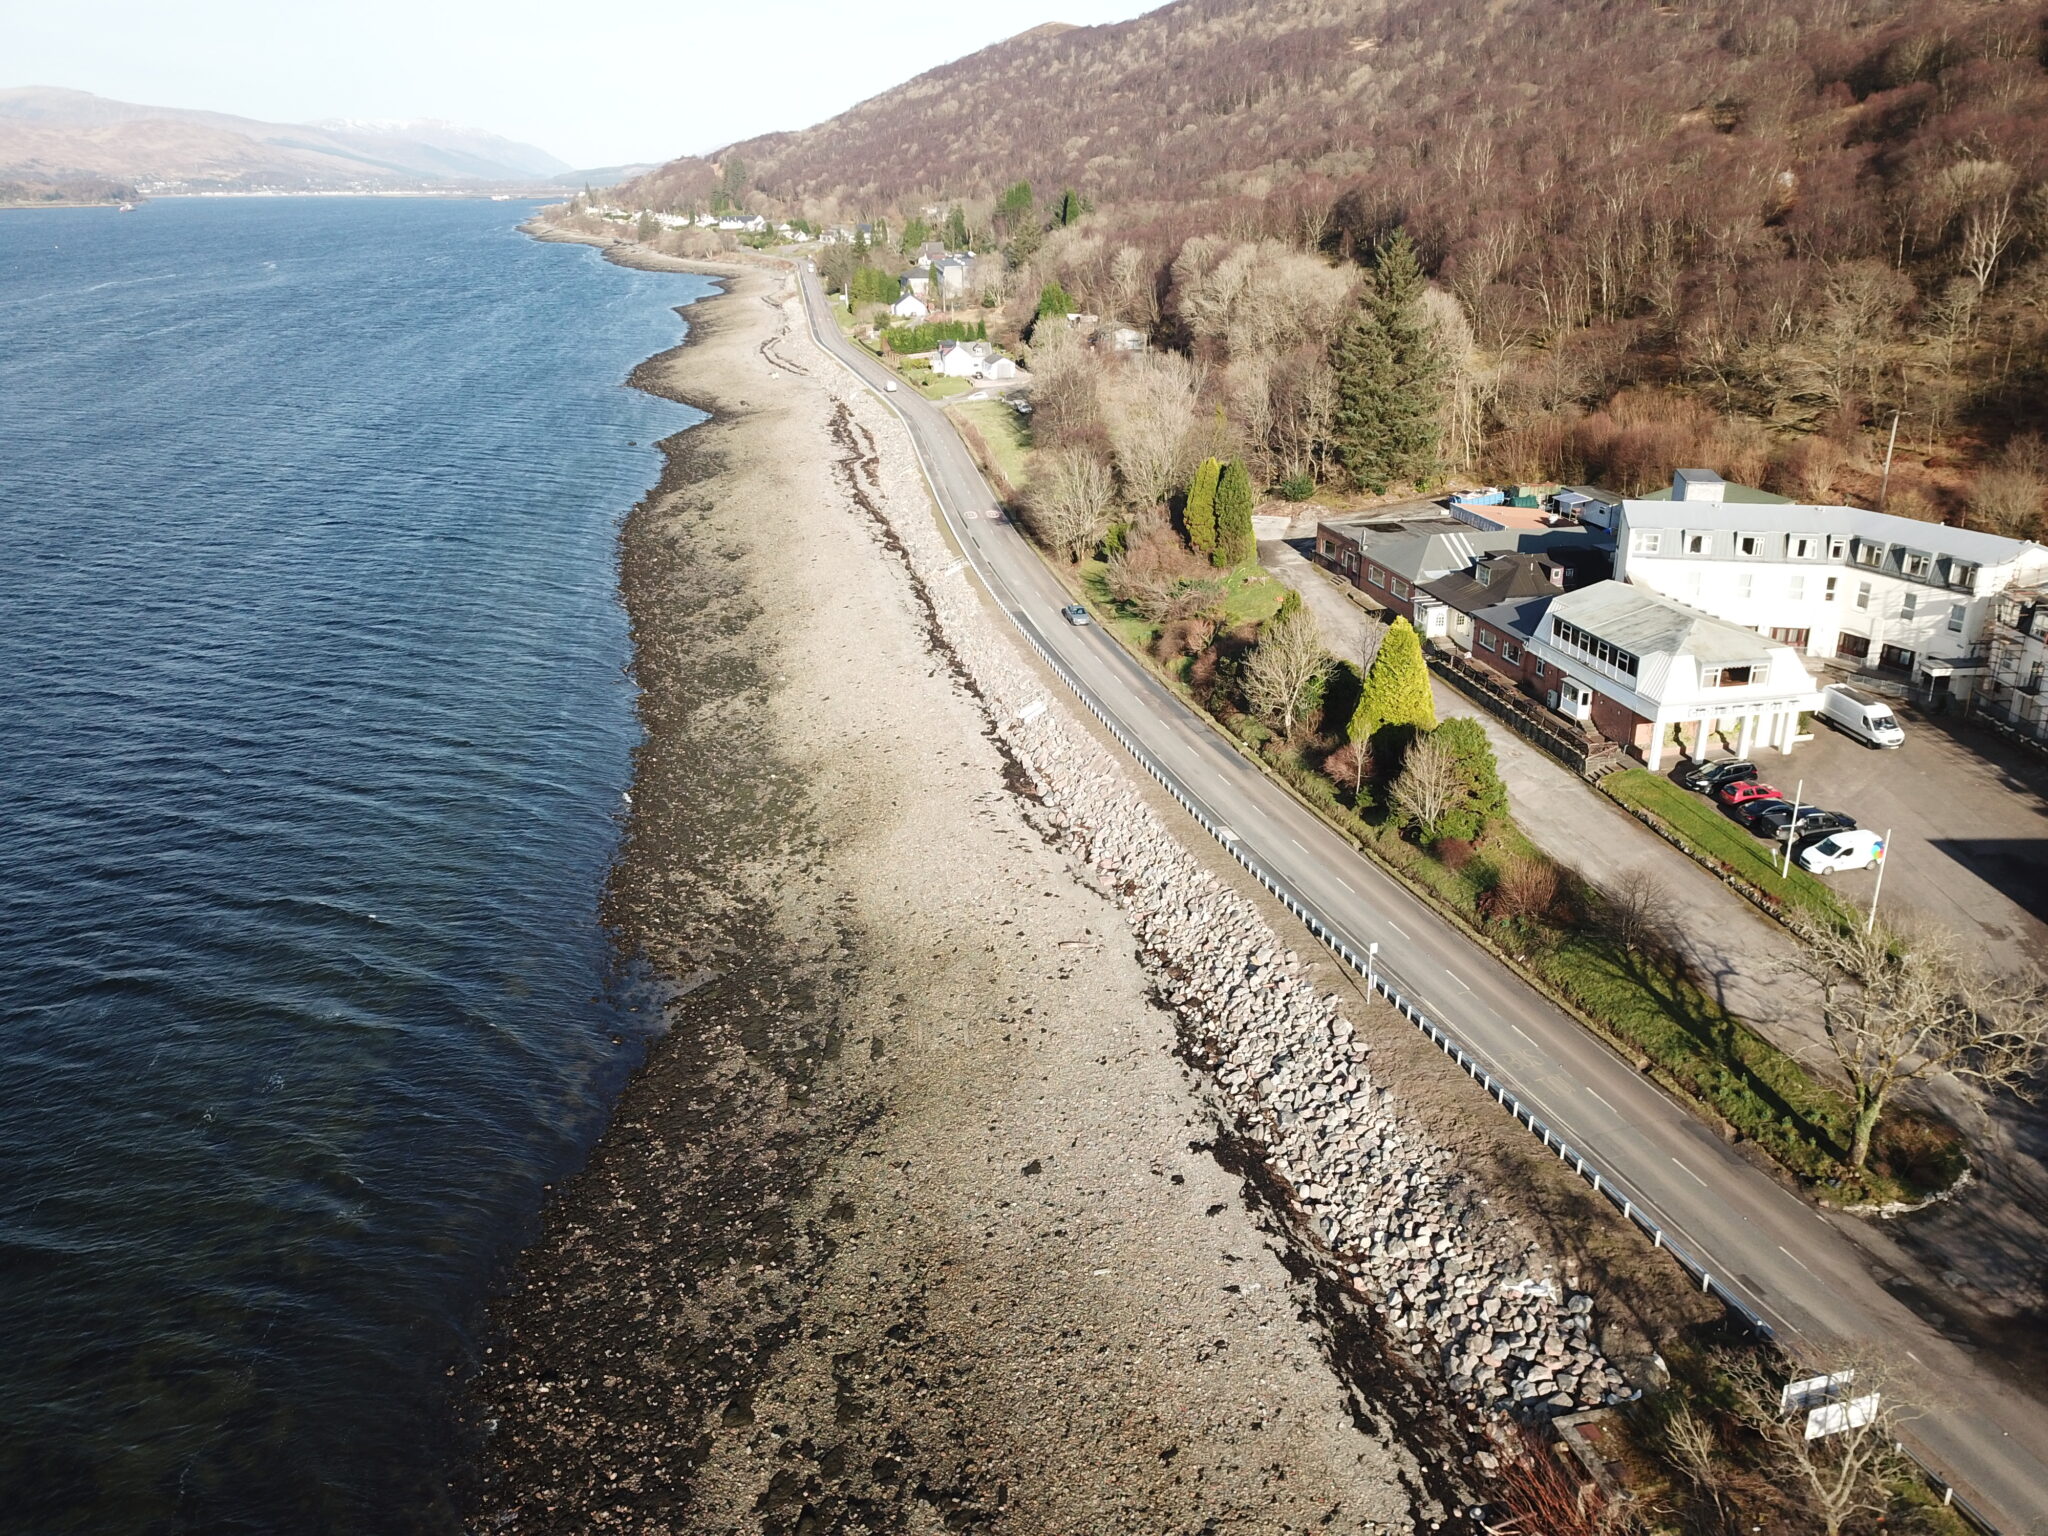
{"x": 1909, "y": 604}
{"x": 1869, "y": 554}
{"x": 1795, "y": 590}
{"x": 1745, "y": 587}
{"x": 1956, "y": 614}
{"x": 1801, "y": 547}
{"x": 1915, "y": 564}
{"x": 1829, "y": 595}
{"x": 1509, "y": 651}
{"x": 1852, "y": 647}
{"x": 1695, "y": 543}
{"x": 1400, "y": 588}
{"x": 1727, "y": 677}
{"x": 1837, "y": 546}
{"x": 1376, "y": 576}
{"x": 1862, "y": 594}
{"x": 1962, "y": 575}
{"x": 1895, "y": 658}
{"x": 1751, "y": 544}
{"x": 1646, "y": 541}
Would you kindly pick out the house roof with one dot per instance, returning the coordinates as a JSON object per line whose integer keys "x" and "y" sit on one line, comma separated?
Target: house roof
{"x": 1506, "y": 576}
{"x": 1521, "y": 616}
{"x": 1871, "y": 527}
{"x": 1744, "y": 495}
{"x": 1646, "y": 623}
{"x": 1421, "y": 549}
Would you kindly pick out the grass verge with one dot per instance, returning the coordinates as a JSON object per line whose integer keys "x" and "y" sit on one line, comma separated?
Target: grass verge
{"x": 1005, "y": 435}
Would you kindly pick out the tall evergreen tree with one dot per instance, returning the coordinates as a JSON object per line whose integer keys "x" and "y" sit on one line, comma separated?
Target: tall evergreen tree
{"x": 1395, "y": 701}
{"x": 1482, "y": 798}
{"x": 1390, "y": 376}
{"x": 1199, "y": 516}
{"x": 957, "y": 237}
{"x": 1235, "y": 541}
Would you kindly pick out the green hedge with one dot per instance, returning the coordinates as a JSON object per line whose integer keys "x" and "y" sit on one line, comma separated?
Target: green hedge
{"x": 902, "y": 339}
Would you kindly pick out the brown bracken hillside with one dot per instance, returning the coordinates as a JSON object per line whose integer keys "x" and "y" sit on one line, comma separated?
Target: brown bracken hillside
{"x": 1752, "y": 229}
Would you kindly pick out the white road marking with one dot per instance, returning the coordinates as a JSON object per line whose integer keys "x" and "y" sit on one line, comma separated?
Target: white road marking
{"x": 1398, "y": 929}
{"x": 1916, "y": 1359}
{"x": 1346, "y": 884}
{"x": 1690, "y": 1174}
{"x": 1794, "y": 1258}
{"x": 1610, "y": 1108}
{"x": 1297, "y": 843}
{"x": 1455, "y": 977}
{"x": 1522, "y": 1032}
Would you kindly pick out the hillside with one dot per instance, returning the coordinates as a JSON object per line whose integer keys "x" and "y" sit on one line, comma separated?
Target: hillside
{"x": 64, "y": 139}
{"x": 1792, "y": 215}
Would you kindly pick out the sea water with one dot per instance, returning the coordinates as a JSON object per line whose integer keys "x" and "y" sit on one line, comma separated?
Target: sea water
{"x": 315, "y": 727}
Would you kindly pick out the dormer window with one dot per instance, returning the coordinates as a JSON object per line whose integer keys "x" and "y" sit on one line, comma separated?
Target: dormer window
{"x": 1869, "y": 554}
{"x": 1749, "y": 544}
{"x": 1838, "y": 546}
{"x": 1801, "y": 547}
{"x": 1915, "y": 564}
{"x": 1483, "y": 574}
{"x": 1695, "y": 543}
{"x": 1962, "y": 574}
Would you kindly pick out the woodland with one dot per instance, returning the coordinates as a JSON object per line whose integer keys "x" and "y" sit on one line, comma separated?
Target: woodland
{"x": 1746, "y": 236}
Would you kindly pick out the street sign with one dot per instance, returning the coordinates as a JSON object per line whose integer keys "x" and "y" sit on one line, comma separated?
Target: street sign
{"x": 1798, "y": 1396}
{"x": 1833, "y": 1418}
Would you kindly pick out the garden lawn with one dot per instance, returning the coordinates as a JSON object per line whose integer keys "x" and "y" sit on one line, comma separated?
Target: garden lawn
{"x": 1007, "y": 434}
{"x": 1720, "y": 844}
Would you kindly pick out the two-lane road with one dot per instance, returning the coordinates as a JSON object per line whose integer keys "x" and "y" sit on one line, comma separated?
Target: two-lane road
{"x": 1783, "y": 1257}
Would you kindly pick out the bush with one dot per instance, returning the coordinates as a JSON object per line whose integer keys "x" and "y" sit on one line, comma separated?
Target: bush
{"x": 902, "y": 339}
{"x": 1295, "y": 488}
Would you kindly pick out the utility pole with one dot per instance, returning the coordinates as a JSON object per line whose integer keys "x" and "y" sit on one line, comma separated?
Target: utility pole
{"x": 1792, "y": 831}
{"x": 1884, "y": 486}
{"x": 1884, "y": 847}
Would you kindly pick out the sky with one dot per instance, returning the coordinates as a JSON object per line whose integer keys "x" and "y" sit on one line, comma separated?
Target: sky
{"x": 597, "y": 84}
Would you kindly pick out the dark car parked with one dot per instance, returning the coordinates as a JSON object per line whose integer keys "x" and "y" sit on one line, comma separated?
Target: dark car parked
{"x": 1813, "y": 822}
{"x": 1754, "y": 814}
{"x": 1708, "y": 777}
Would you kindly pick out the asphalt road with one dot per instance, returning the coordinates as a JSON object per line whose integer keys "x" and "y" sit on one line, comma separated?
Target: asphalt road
{"x": 1784, "y": 1258}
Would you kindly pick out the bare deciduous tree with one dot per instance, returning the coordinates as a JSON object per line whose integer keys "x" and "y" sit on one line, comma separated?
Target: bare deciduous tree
{"x": 2007, "y": 497}
{"x": 1072, "y": 496}
{"x": 1639, "y": 910}
{"x": 1691, "y": 1446}
{"x": 1900, "y": 1006}
{"x": 1149, "y": 408}
{"x": 1284, "y": 667}
{"x": 1432, "y": 781}
{"x": 1840, "y": 1476}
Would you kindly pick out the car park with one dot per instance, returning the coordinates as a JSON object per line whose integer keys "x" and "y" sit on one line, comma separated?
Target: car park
{"x": 1742, "y": 791}
{"x": 1705, "y": 778}
{"x": 1074, "y": 613}
{"x": 1840, "y": 851}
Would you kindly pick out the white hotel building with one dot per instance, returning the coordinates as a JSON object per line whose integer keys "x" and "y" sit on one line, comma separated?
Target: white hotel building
{"x": 1876, "y": 593}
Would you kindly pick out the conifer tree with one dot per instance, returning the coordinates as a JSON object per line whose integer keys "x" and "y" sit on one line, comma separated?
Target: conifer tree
{"x": 1395, "y": 701}
{"x": 1235, "y": 541}
{"x": 1054, "y": 300}
{"x": 1390, "y": 376}
{"x": 956, "y": 229}
{"x": 1199, "y": 516}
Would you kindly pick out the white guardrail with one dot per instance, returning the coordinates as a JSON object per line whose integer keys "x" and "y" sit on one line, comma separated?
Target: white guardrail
{"x": 1378, "y": 976}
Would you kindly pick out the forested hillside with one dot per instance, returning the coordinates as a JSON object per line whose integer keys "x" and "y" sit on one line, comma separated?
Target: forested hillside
{"x": 1740, "y": 232}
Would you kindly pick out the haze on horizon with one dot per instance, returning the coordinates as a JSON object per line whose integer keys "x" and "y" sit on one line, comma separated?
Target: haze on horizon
{"x": 635, "y": 80}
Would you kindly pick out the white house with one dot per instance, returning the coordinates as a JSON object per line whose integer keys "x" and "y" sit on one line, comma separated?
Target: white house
{"x": 1871, "y": 591}
{"x": 1648, "y": 672}
{"x": 954, "y": 273}
{"x": 910, "y": 307}
{"x": 2015, "y": 684}
{"x": 972, "y": 360}
{"x": 919, "y": 282}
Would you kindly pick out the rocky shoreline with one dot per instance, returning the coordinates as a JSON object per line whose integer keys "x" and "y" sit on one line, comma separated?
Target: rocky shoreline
{"x": 1001, "y": 1167}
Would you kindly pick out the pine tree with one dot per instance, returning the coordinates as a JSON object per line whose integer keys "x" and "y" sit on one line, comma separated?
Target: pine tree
{"x": 1390, "y": 376}
{"x": 1395, "y": 701}
{"x": 1053, "y": 300}
{"x": 957, "y": 237}
{"x": 1199, "y": 516}
{"x": 1482, "y": 797}
{"x": 1235, "y": 541}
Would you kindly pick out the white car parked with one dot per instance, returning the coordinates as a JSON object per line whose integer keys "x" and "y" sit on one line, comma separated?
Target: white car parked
{"x": 1855, "y": 849}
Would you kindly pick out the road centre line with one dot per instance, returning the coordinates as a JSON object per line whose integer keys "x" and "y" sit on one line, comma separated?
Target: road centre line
{"x": 1690, "y": 1174}
{"x": 1610, "y": 1108}
{"x": 1346, "y": 884}
{"x": 1795, "y": 1258}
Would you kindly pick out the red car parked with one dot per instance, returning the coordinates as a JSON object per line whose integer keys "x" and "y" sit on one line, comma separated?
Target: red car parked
{"x": 1743, "y": 791}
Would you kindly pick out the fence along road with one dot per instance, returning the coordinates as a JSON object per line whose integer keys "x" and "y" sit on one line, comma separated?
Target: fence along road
{"x": 1776, "y": 1259}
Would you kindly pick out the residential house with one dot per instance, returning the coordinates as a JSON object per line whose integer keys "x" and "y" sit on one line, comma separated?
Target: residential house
{"x": 1444, "y": 607}
{"x": 930, "y": 254}
{"x": 2014, "y": 688}
{"x": 910, "y": 307}
{"x": 1869, "y": 592}
{"x": 1121, "y": 338}
{"x": 972, "y": 360}
{"x": 955, "y": 276}
{"x": 745, "y": 223}
{"x": 1390, "y": 556}
{"x": 1648, "y": 672}
{"x": 919, "y": 282}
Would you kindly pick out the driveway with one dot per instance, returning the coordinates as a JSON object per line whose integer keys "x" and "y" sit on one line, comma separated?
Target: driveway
{"x": 1968, "y": 816}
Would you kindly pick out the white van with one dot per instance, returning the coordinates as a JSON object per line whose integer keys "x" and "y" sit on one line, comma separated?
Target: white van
{"x": 1842, "y": 850}
{"x": 1863, "y": 715}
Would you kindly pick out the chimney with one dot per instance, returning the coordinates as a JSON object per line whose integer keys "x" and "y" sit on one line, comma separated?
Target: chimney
{"x": 1697, "y": 485}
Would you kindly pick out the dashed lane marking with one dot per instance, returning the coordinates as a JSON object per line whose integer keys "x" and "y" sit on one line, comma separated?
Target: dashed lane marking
{"x": 1610, "y": 1108}
{"x": 1689, "y": 1173}
{"x": 1795, "y": 1258}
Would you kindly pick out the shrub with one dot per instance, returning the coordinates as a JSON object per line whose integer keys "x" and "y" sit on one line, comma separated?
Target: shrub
{"x": 1295, "y": 488}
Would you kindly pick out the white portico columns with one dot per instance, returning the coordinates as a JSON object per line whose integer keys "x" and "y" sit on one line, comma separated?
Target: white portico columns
{"x": 1747, "y": 739}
